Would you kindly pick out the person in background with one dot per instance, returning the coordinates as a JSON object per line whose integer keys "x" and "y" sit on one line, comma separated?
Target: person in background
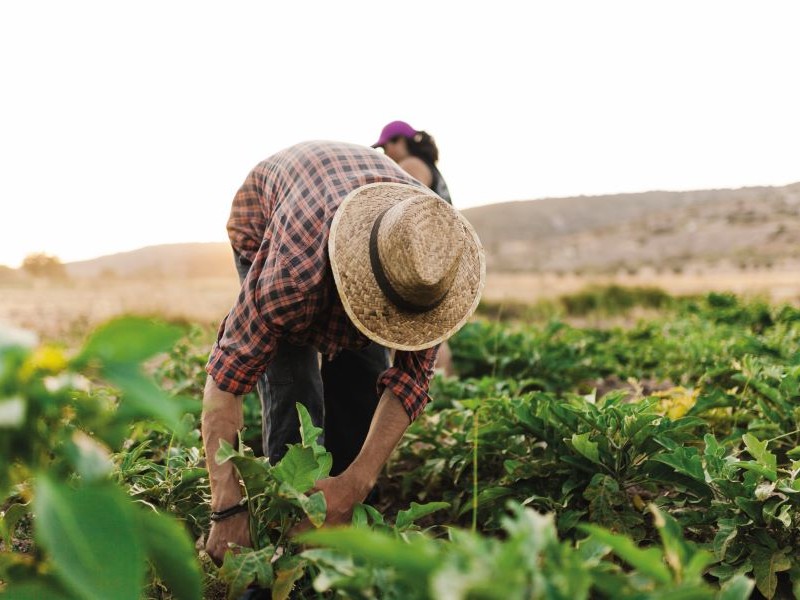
{"x": 416, "y": 153}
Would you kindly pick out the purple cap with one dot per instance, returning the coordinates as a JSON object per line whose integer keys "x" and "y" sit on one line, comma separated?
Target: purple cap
{"x": 394, "y": 129}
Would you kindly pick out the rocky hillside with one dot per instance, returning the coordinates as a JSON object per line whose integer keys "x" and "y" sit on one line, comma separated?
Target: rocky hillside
{"x": 748, "y": 227}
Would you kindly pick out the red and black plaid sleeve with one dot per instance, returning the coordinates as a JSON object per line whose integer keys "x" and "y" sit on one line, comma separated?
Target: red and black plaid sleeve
{"x": 250, "y": 213}
{"x": 268, "y": 307}
{"x": 409, "y": 379}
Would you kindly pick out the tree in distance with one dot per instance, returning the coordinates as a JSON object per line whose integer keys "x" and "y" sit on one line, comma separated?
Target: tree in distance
{"x": 44, "y": 266}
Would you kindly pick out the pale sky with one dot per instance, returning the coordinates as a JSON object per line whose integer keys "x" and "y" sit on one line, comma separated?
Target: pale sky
{"x": 129, "y": 124}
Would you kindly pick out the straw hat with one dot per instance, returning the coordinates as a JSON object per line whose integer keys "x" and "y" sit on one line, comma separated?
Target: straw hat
{"x": 408, "y": 267}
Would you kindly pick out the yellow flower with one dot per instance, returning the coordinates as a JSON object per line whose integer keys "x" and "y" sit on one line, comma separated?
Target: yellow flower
{"x": 45, "y": 359}
{"x": 677, "y": 401}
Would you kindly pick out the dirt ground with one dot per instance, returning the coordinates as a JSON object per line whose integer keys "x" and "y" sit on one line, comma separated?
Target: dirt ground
{"x": 779, "y": 286}
{"x": 68, "y": 309}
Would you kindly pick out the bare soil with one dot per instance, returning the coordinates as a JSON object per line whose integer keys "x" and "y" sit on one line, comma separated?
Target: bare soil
{"x": 66, "y": 310}
{"x": 777, "y": 285}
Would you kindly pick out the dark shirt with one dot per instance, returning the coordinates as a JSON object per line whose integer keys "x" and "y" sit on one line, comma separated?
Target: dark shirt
{"x": 438, "y": 184}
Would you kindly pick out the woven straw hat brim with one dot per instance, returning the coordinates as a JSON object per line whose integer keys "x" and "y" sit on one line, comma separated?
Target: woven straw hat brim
{"x": 366, "y": 305}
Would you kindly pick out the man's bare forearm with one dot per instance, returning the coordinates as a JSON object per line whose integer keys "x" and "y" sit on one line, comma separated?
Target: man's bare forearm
{"x": 222, "y": 419}
{"x": 387, "y": 428}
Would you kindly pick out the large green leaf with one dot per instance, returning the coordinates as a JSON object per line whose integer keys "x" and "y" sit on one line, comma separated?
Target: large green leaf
{"x": 288, "y": 569}
{"x": 687, "y": 562}
{"x": 89, "y": 459}
{"x": 313, "y": 506}
{"x": 766, "y": 566}
{"x": 245, "y": 567}
{"x": 298, "y": 468}
{"x": 529, "y": 534}
{"x": 92, "y": 539}
{"x": 172, "y": 553}
{"x": 766, "y": 464}
{"x": 416, "y": 511}
{"x": 609, "y": 505}
{"x": 737, "y": 588}
{"x": 778, "y": 510}
{"x": 365, "y": 515}
{"x": 416, "y": 558}
{"x": 310, "y": 435}
{"x": 718, "y": 468}
{"x": 255, "y": 472}
{"x": 336, "y": 568}
{"x": 35, "y": 590}
{"x": 585, "y": 447}
{"x": 684, "y": 460}
{"x": 142, "y": 398}
{"x": 487, "y": 496}
{"x": 128, "y": 340}
{"x": 675, "y": 549}
{"x": 308, "y": 431}
{"x": 648, "y": 561}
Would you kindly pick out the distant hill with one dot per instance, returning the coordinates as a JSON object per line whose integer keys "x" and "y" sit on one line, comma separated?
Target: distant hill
{"x": 756, "y": 226}
{"x": 747, "y": 227}
{"x": 167, "y": 260}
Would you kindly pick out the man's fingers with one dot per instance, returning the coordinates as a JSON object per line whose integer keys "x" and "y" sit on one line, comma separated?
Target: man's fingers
{"x": 216, "y": 557}
{"x": 218, "y": 545}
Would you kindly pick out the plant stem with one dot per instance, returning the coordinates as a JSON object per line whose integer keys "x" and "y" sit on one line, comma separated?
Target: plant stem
{"x": 783, "y": 436}
{"x": 475, "y": 470}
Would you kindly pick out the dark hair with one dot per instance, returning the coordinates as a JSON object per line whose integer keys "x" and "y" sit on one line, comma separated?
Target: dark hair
{"x": 423, "y": 146}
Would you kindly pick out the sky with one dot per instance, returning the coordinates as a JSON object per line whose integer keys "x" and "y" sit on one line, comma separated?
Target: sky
{"x": 129, "y": 124}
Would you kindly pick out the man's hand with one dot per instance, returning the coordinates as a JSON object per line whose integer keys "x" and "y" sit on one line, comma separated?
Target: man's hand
{"x": 233, "y": 530}
{"x": 342, "y": 493}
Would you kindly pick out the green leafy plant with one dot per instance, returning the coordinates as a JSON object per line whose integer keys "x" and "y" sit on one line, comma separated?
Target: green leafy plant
{"x": 672, "y": 443}
{"x": 278, "y": 497}
{"x": 528, "y": 563}
{"x": 93, "y": 540}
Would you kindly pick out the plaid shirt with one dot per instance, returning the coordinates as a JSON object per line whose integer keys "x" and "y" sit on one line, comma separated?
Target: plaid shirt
{"x": 280, "y": 222}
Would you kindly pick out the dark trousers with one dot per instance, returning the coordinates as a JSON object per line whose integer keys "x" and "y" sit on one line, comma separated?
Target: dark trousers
{"x": 340, "y": 395}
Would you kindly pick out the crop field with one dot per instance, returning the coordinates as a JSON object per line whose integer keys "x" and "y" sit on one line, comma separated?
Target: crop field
{"x": 655, "y": 458}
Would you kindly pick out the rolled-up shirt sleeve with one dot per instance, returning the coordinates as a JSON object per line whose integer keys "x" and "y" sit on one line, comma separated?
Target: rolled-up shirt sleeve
{"x": 269, "y": 305}
{"x": 409, "y": 378}
{"x": 240, "y": 354}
